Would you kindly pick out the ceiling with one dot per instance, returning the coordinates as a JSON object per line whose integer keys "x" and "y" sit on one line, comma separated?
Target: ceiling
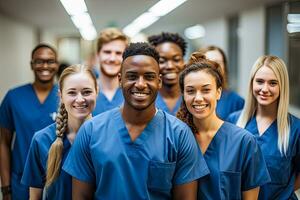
{"x": 50, "y": 15}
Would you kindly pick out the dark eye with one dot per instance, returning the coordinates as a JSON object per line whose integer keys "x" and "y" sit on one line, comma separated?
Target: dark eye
{"x": 206, "y": 90}
{"x": 259, "y": 81}
{"x": 131, "y": 76}
{"x": 87, "y": 92}
{"x": 273, "y": 83}
{"x": 38, "y": 62}
{"x": 71, "y": 93}
{"x": 190, "y": 91}
{"x": 51, "y": 62}
{"x": 150, "y": 76}
{"x": 177, "y": 59}
{"x": 162, "y": 61}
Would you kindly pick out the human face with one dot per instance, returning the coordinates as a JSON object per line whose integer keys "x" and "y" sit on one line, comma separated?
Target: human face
{"x": 79, "y": 96}
{"x": 44, "y": 65}
{"x": 217, "y": 57}
{"x": 140, "y": 81}
{"x": 110, "y": 57}
{"x": 171, "y": 62}
{"x": 201, "y": 94}
{"x": 265, "y": 87}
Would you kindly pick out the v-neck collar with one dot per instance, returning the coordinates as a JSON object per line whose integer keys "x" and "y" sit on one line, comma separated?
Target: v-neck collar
{"x": 215, "y": 138}
{"x": 255, "y": 128}
{"x": 123, "y": 131}
{"x": 176, "y": 107}
{"x": 50, "y": 94}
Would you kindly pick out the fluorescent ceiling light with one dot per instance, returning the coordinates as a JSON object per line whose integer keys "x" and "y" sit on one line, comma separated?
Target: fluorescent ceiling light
{"x": 293, "y": 28}
{"x": 74, "y": 7}
{"x": 82, "y": 20}
{"x": 163, "y": 7}
{"x": 194, "y": 32}
{"x": 145, "y": 20}
{"x": 293, "y": 18}
{"x": 88, "y": 33}
{"x": 131, "y": 30}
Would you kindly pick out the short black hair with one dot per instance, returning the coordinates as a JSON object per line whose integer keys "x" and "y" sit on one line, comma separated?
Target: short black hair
{"x": 141, "y": 48}
{"x": 43, "y": 45}
{"x": 168, "y": 37}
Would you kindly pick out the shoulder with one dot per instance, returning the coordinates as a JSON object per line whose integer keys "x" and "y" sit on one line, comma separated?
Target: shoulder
{"x": 173, "y": 121}
{"x": 233, "y": 117}
{"x": 45, "y": 135}
{"x": 19, "y": 89}
{"x": 234, "y": 132}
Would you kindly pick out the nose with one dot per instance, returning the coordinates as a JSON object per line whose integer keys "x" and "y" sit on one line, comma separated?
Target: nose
{"x": 199, "y": 96}
{"x": 79, "y": 98}
{"x": 170, "y": 64}
{"x": 140, "y": 83}
{"x": 265, "y": 88}
{"x": 112, "y": 57}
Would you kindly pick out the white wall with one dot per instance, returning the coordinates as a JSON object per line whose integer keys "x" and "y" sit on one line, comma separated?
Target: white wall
{"x": 251, "y": 43}
{"x": 17, "y": 40}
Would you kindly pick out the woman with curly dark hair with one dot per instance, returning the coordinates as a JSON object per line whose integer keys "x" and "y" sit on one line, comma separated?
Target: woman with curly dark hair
{"x": 237, "y": 168}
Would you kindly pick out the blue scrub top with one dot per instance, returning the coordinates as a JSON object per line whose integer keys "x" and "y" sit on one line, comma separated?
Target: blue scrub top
{"x": 229, "y": 103}
{"x": 21, "y": 112}
{"x": 235, "y": 162}
{"x": 34, "y": 174}
{"x": 161, "y": 104}
{"x": 164, "y": 155}
{"x": 103, "y": 104}
{"x": 283, "y": 169}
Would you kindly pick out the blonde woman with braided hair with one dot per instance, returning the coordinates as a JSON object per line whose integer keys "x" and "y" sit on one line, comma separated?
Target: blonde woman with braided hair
{"x": 266, "y": 116}
{"x": 50, "y": 146}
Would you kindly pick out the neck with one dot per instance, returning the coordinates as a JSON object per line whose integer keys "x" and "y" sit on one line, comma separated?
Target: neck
{"x": 74, "y": 124}
{"x": 42, "y": 86}
{"x": 108, "y": 83}
{"x": 208, "y": 125}
{"x": 269, "y": 111}
{"x": 170, "y": 92}
{"x": 137, "y": 117}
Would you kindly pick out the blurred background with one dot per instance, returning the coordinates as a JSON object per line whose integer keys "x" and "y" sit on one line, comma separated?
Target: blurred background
{"x": 245, "y": 29}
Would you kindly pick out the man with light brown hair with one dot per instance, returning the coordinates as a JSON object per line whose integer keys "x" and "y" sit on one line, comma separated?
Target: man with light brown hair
{"x": 110, "y": 47}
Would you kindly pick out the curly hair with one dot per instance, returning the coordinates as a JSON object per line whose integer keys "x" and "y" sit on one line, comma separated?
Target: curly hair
{"x": 168, "y": 37}
{"x": 197, "y": 62}
{"x": 141, "y": 48}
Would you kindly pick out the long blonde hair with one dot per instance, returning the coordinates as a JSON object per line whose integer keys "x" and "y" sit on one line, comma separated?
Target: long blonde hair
{"x": 280, "y": 70}
{"x": 56, "y": 149}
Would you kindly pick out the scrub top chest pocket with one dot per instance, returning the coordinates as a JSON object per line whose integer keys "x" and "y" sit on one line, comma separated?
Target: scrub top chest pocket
{"x": 279, "y": 169}
{"x": 160, "y": 175}
{"x": 230, "y": 185}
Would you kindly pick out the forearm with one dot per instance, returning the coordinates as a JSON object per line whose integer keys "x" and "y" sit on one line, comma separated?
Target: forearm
{"x": 186, "y": 191}
{"x": 297, "y": 182}
{"x": 5, "y": 162}
{"x": 35, "y": 193}
{"x": 251, "y": 194}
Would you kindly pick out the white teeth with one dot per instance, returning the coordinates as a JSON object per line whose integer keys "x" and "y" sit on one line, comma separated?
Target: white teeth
{"x": 45, "y": 73}
{"x": 139, "y": 94}
{"x": 199, "y": 106}
{"x": 170, "y": 75}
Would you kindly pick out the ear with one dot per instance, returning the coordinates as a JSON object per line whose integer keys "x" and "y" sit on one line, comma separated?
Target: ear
{"x": 159, "y": 81}
{"x": 31, "y": 65}
{"x": 120, "y": 79}
{"x": 60, "y": 96}
{"x": 219, "y": 93}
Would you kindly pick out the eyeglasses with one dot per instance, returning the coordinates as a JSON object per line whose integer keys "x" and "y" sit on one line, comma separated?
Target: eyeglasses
{"x": 40, "y": 62}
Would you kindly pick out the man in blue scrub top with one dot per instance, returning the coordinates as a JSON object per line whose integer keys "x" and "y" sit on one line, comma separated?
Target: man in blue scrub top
{"x": 136, "y": 151}
{"x": 25, "y": 110}
{"x": 110, "y": 47}
{"x": 171, "y": 48}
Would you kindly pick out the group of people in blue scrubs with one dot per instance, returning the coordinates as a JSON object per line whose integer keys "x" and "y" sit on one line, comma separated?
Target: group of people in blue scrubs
{"x": 134, "y": 148}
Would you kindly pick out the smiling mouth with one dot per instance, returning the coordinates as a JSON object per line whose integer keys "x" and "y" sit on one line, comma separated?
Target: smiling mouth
{"x": 81, "y": 107}
{"x": 200, "y": 107}
{"x": 44, "y": 72}
{"x": 170, "y": 75}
